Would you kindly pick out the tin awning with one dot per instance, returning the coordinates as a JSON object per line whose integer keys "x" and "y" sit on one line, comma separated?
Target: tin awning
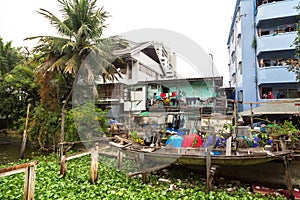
{"x": 291, "y": 108}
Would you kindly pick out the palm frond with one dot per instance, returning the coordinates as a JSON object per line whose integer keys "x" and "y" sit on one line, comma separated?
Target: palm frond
{"x": 62, "y": 28}
{"x": 73, "y": 64}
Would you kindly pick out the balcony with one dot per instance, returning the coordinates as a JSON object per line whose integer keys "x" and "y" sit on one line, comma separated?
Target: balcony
{"x": 271, "y": 10}
{"x": 280, "y": 41}
{"x": 275, "y": 74}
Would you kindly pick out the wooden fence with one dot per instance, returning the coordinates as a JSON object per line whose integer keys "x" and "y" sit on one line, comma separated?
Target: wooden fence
{"x": 29, "y": 180}
{"x": 94, "y": 151}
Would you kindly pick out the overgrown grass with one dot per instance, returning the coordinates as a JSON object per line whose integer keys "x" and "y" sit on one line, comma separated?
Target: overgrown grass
{"x": 114, "y": 184}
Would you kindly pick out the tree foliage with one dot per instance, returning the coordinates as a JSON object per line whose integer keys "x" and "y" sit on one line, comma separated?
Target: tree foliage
{"x": 294, "y": 64}
{"x": 17, "y": 86}
{"x": 79, "y": 44}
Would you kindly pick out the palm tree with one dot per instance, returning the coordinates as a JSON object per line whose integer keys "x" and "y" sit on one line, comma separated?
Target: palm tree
{"x": 80, "y": 35}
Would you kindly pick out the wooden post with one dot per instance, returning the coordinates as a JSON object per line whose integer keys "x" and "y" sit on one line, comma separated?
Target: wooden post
{"x": 120, "y": 159}
{"x": 287, "y": 171}
{"x": 94, "y": 164}
{"x": 208, "y": 166}
{"x": 61, "y": 151}
{"x": 235, "y": 112}
{"x": 25, "y": 133}
{"x": 29, "y": 183}
{"x": 251, "y": 116}
{"x": 63, "y": 166}
{"x": 228, "y": 146}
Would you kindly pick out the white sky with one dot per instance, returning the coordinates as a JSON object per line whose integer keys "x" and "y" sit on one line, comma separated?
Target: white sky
{"x": 205, "y": 22}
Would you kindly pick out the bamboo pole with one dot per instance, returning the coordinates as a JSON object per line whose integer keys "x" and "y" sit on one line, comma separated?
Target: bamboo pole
{"x": 25, "y": 133}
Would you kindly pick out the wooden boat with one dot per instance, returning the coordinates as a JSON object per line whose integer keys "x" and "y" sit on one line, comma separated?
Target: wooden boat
{"x": 253, "y": 165}
{"x": 198, "y": 156}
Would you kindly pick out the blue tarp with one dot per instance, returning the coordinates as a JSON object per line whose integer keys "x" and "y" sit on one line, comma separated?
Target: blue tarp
{"x": 175, "y": 141}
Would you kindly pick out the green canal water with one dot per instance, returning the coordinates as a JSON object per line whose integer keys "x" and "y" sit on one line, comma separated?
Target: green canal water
{"x": 10, "y": 149}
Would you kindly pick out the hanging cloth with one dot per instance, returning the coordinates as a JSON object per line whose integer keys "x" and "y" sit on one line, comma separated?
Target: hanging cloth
{"x": 170, "y": 119}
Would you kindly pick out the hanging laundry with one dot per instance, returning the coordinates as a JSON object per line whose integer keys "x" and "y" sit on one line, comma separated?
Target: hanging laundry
{"x": 170, "y": 119}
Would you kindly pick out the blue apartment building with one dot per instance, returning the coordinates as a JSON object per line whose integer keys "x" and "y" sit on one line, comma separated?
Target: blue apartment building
{"x": 260, "y": 46}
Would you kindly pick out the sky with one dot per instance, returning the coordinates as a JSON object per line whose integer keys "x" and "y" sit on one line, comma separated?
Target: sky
{"x": 207, "y": 23}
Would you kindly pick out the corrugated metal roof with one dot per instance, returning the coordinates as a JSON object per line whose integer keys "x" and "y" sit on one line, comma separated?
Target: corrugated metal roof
{"x": 273, "y": 109}
{"x": 132, "y": 48}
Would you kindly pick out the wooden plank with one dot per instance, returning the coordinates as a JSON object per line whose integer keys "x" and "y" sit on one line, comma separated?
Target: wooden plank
{"x": 17, "y": 171}
{"x": 149, "y": 170}
{"x": 85, "y": 141}
{"x": 116, "y": 144}
{"x": 78, "y": 155}
{"x": 16, "y": 167}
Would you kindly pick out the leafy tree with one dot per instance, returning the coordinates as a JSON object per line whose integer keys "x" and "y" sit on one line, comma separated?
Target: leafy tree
{"x": 294, "y": 65}
{"x": 79, "y": 43}
{"x": 17, "y": 86}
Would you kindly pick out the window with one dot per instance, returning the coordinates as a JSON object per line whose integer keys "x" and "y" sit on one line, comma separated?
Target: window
{"x": 233, "y": 78}
{"x": 265, "y": 92}
{"x": 233, "y": 56}
{"x": 130, "y": 72}
{"x": 147, "y": 71}
{"x": 153, "y": 87}
{"x": 240, "y": 97}
{"x": 265, "y": 32}
{"x": 292, "y": 93}
{"x": 240, "y": 67}
{"x": 239, "y": 40}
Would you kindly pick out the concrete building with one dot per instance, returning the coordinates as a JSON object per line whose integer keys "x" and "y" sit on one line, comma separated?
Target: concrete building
{"x": 168, "y": 60}
{"x": 147, "y": 61}
{"x": 260, "y": 47}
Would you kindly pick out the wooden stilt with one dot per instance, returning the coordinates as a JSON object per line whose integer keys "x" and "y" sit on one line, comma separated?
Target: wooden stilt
{"x": 63, "y": 166}
{"x": 61, "y": 150}
{"x": 251, "y": 116}
{"x": 208, "y": 166}
{"x": 94, "y": 164}
{"x": 29, "y": 183}
{"x": 120, "y": 159}
{"x": 287, "y": 170}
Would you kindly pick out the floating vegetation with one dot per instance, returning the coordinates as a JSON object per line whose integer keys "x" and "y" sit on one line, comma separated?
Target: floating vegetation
{"x": 171, "y": 183}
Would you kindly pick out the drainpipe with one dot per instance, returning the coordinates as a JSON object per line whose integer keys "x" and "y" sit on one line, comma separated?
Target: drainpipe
{"x": 255, "y": 55}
